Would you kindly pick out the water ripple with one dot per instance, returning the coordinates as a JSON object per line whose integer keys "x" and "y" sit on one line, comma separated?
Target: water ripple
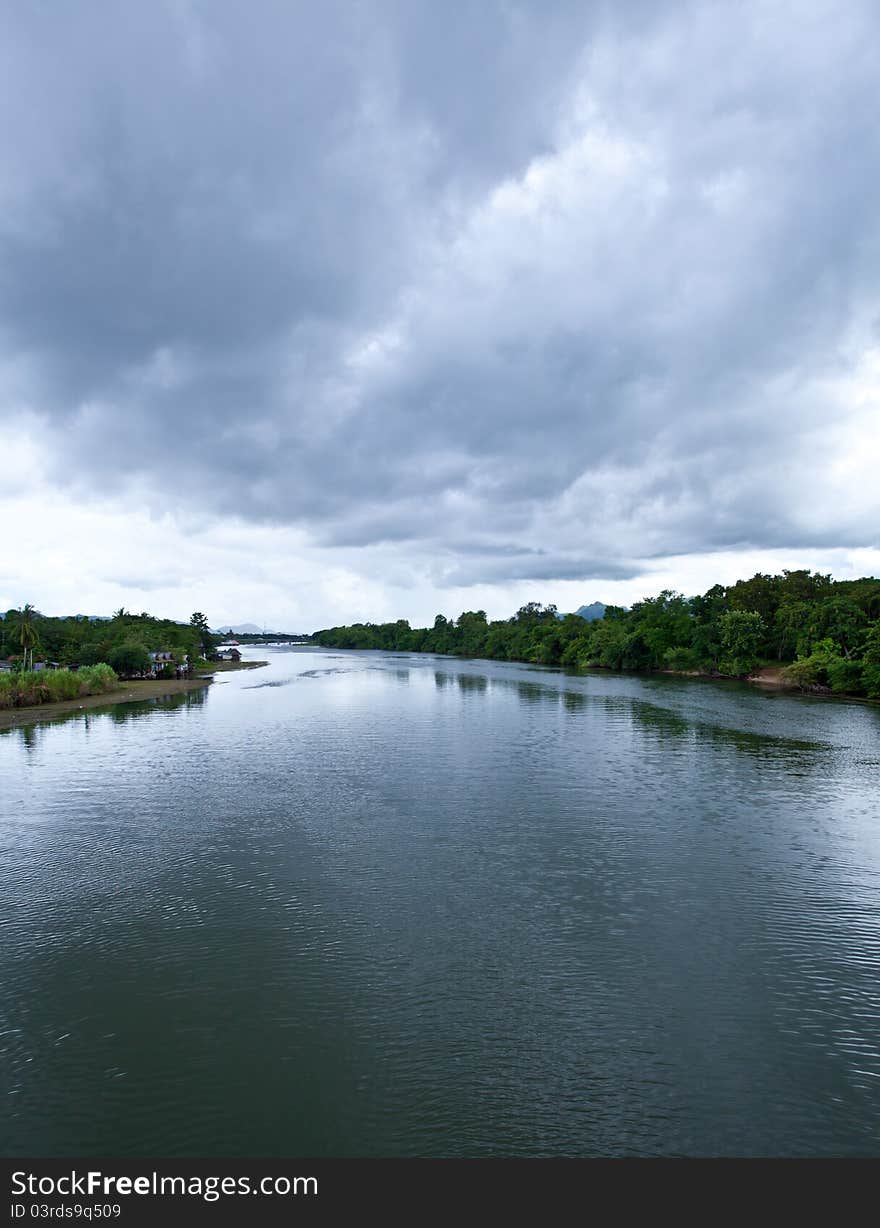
{"x": 443, "y": 908}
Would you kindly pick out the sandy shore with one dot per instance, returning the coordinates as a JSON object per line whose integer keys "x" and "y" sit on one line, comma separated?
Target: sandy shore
{"x": 770, "y": 675}
{"x": 128, "y": 693}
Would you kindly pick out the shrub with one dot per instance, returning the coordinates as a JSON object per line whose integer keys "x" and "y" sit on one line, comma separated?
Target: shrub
{"x": 826, "y": 667}
{"x": 742, "y": 633}
{"x": 28, "y": 688}
{"x": 845, "y": 676}
{"x": 129, "y": 659}
{"x": 61, "y": 684}
{"x": 803, "y": 673}
{"x": 871, "y": 679}
{"x": 681, "y": 659}
{"x": 572, "y": 652}
{"x": 96, "y": 679}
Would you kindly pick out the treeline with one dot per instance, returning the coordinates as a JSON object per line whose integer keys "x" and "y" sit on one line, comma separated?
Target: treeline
{"x": 123, "y": 642}
{"x": 826, "y": 633}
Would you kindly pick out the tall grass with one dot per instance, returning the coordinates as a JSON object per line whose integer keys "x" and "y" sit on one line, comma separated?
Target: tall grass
{"x": 32, "y": 687}
{"x": 98, "y": 678}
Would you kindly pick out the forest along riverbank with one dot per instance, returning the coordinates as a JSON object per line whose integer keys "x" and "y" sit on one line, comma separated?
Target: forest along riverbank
{"x": 133, "y": 691}
{"x": 797, "y": 629}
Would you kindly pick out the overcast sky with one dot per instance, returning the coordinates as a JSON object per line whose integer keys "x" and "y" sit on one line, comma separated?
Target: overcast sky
{"x": 312, "y": 313}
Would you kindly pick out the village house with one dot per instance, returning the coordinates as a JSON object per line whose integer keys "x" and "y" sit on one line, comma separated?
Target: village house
{"x": 161, "y": 661}
{"x": 158, "y": 661}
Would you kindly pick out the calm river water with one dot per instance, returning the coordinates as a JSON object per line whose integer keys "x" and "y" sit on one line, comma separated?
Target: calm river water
{"x": 367, "y": 904}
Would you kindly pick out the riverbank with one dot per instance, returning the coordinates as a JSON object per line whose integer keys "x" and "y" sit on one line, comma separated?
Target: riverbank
{"x": 772, "y": 676}
{"x": 128, "y": 692}
{"x": 769, "y": 676}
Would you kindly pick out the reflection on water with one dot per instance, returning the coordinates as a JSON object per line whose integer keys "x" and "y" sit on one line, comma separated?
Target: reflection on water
{"x": 30, "y": 735}
{"x": 370, "y": 904}
{"x": 668, "y": 724}
{"x": 472, "y": 682}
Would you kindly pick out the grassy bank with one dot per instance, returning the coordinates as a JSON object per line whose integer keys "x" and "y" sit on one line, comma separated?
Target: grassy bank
{"x": 225, "y": 667}
{"x": 31, "y": 688}
{"x": 123, "y": 693}
{"x": 41, "y": 695}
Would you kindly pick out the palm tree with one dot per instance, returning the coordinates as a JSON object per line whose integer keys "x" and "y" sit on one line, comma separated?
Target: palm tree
{"x": 28, "y": 637}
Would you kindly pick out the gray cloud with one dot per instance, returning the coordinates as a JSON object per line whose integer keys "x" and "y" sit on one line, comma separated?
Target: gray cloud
{"x": 576, "y": 287}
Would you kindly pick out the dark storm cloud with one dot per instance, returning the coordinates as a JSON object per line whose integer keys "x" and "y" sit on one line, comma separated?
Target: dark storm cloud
{"x": 496, "y": 568}
{"x": 580, "y": 284}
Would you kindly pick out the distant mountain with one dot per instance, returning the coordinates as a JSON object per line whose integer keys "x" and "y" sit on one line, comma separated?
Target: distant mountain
{"x": 239, "y": 629}
{"x": 591, "y": 612}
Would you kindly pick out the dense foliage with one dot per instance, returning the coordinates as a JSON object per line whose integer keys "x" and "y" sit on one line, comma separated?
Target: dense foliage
{"x": 123, "y": 642}
{"x": 826, "y": 632}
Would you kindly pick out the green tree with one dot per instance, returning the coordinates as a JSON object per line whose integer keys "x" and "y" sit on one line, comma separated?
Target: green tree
{"x": 25, "y": 631}
{"x": 841, "y": 620}
{"x": 791, "y": 624}
{"x": 802, "y": 586}
{"x": 605, "y": 644}
{"x": 742, "y": 633}
{"x": 706, "y": 634}
{"x": 663, "y": 623}
{"x": 439, "y": 637}
{"x": 206, "y": 641}
{"x": 472, "y": 631}
{"x": 871, "y": 663}
{"x": 825, "y": 667}
{"x": 759, "y": 595}
{"x": 829, "y": 625}
{"x": 129, "y": 659}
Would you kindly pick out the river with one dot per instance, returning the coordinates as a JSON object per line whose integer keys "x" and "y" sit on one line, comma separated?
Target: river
{"x": 377, "y": 904}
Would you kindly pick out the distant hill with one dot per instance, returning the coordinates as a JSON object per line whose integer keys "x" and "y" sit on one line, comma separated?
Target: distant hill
{"x": 588, "y": 612}
{"x": 592, "y": 612}
{"x": 251, "y": 634}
